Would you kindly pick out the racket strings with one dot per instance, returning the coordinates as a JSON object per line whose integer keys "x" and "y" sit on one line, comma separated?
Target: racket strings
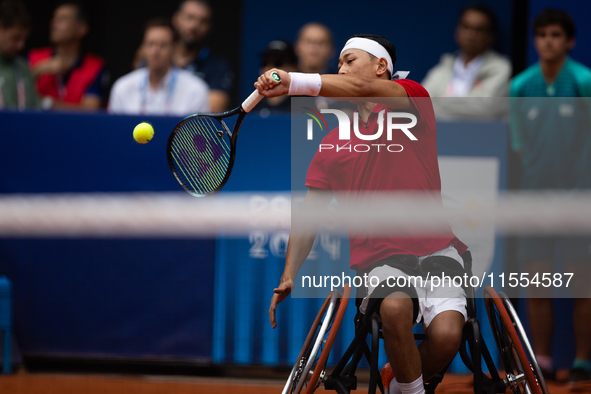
{"x": 203, "y": 148}
{"x": 197, "y": 171}
{"x": 201, "y": 154}
{"x": 201, "y": 158}
{"x": 190, "y": 171}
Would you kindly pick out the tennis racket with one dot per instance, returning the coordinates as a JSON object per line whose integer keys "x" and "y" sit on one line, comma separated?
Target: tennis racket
{"x": 201, "y": 149}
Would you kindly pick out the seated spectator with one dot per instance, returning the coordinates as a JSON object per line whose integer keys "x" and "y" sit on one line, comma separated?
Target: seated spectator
{"x": 159, "y": 88}
{"x": 17, "y": 88}
{"x": 192, "y": 23}
{"x": 67, "y": 77}
{"x": 315, "y": 49}
{"x": 278, "y": 54}
{"x": 474, "y": 71}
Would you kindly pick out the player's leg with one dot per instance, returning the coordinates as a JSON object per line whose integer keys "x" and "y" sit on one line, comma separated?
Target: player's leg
{"x": 444, "y": 337}
{"x": 399, "y": 310}
{"x": 444, "y": 313}
{"x": 396, "y": 312}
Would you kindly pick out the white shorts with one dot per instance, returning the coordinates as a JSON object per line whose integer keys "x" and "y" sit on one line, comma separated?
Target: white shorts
{"x": 432, "y": 299}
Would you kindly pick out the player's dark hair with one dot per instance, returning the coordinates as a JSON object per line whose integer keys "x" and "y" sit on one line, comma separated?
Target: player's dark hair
{"x": 554, "y": 16}
{"x": 82, "y": 15}
{"x": 14, "y": 13}
{"x": 486, "y": 11}
{"x": 390, "y": 48}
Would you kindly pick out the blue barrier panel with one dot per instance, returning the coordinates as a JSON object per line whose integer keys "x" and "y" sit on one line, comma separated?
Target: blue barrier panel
{"x": 105, "y": 297}
{"x": 46, "y": 153}
{"x": 129, "y": 297}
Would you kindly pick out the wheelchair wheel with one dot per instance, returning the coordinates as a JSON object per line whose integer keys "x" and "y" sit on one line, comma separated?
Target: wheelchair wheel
{"x": 521, "y": 368}
{"x": 526, "y": 345}
{"x": 310, "y": 366}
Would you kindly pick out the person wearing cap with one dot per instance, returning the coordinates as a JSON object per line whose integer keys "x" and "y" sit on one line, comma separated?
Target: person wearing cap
{"x": 278, "y": 54}
{"x": 366, "y": 72}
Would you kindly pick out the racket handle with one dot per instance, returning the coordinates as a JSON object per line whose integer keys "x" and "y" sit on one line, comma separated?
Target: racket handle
{"x": 255, "y": 97}
{"x": 251, "y": 101}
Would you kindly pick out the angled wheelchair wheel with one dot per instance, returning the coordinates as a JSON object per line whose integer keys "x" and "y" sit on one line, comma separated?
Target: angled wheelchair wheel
{"x": 522, "y": 372}
{"x": 525, "y": 342}
{"x": 310, "y": 366}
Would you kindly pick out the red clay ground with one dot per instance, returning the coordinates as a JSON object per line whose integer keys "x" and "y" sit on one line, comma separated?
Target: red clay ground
{"x": 29, "y": 383}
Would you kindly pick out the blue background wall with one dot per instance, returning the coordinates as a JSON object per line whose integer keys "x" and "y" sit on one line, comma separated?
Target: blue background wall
{"x": 421, "y": 30}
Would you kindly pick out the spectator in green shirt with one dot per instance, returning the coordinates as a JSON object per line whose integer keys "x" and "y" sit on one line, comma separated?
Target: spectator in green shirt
{"x": 17, "y": 88}
{"x": 550, "y": 131}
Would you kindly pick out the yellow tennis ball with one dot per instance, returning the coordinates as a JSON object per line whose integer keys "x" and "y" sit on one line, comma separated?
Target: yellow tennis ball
{"x": 143, "y": 133}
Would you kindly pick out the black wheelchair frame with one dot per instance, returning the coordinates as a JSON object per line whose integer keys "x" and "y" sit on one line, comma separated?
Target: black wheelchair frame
{"x": 522, "y": 372}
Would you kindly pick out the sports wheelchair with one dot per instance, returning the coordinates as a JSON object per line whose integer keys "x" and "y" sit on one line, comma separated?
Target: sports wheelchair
{"x": 522, "y": 372}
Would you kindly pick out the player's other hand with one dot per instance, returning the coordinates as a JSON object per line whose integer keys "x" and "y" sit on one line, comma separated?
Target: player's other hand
{"x": 268, "y": 87}
{"x": 280, "y": 293}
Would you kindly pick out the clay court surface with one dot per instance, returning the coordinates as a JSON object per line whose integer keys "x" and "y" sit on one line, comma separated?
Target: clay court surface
{"x": 115, "y": 384}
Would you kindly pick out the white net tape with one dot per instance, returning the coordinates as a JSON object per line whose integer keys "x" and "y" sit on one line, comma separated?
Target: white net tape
{"x": 178, "y": 215}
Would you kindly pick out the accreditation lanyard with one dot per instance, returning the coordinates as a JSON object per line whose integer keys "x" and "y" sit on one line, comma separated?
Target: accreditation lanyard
{"x": 20, "y": 89}
{"x": 169, "y": 91}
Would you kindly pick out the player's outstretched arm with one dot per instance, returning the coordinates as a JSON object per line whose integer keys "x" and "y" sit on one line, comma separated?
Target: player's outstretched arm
{"x": 299, "y": 246}
{"x": 347, "y": 85}
{"x": 384, "y": 91}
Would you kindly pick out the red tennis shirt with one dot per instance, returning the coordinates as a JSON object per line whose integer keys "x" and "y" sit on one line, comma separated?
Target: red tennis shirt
{"x": 400, "y": 165}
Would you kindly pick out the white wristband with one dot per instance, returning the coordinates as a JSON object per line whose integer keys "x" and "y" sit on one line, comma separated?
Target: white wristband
{"x": 303, "y": 84}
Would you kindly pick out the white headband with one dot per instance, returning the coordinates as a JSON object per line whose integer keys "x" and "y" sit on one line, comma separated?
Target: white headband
{"x": 372, "y": 47}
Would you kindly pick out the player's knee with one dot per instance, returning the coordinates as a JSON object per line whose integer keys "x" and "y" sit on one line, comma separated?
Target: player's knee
{"x": 396, "y": 314}
{"x": 446, "y": 338}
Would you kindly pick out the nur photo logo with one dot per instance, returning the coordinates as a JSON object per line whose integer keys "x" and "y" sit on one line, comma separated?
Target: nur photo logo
{"x": 388, "y": 122}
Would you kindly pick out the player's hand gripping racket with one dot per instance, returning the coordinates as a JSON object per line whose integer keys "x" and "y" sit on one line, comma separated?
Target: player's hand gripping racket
{"x": 201, "y": 148}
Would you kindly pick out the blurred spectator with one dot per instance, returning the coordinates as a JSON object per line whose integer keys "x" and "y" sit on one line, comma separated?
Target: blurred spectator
{"x": 159, "y": 88}
{"x": 67, "y": 76}
{"x": 17, "y": 88}
{"x": 192, "y": 22}
{"x": 278, "y": 54}
{"x": 474, "y": 71}
{"x": 315, "y": 48}
{"x": 550, "y": 130}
